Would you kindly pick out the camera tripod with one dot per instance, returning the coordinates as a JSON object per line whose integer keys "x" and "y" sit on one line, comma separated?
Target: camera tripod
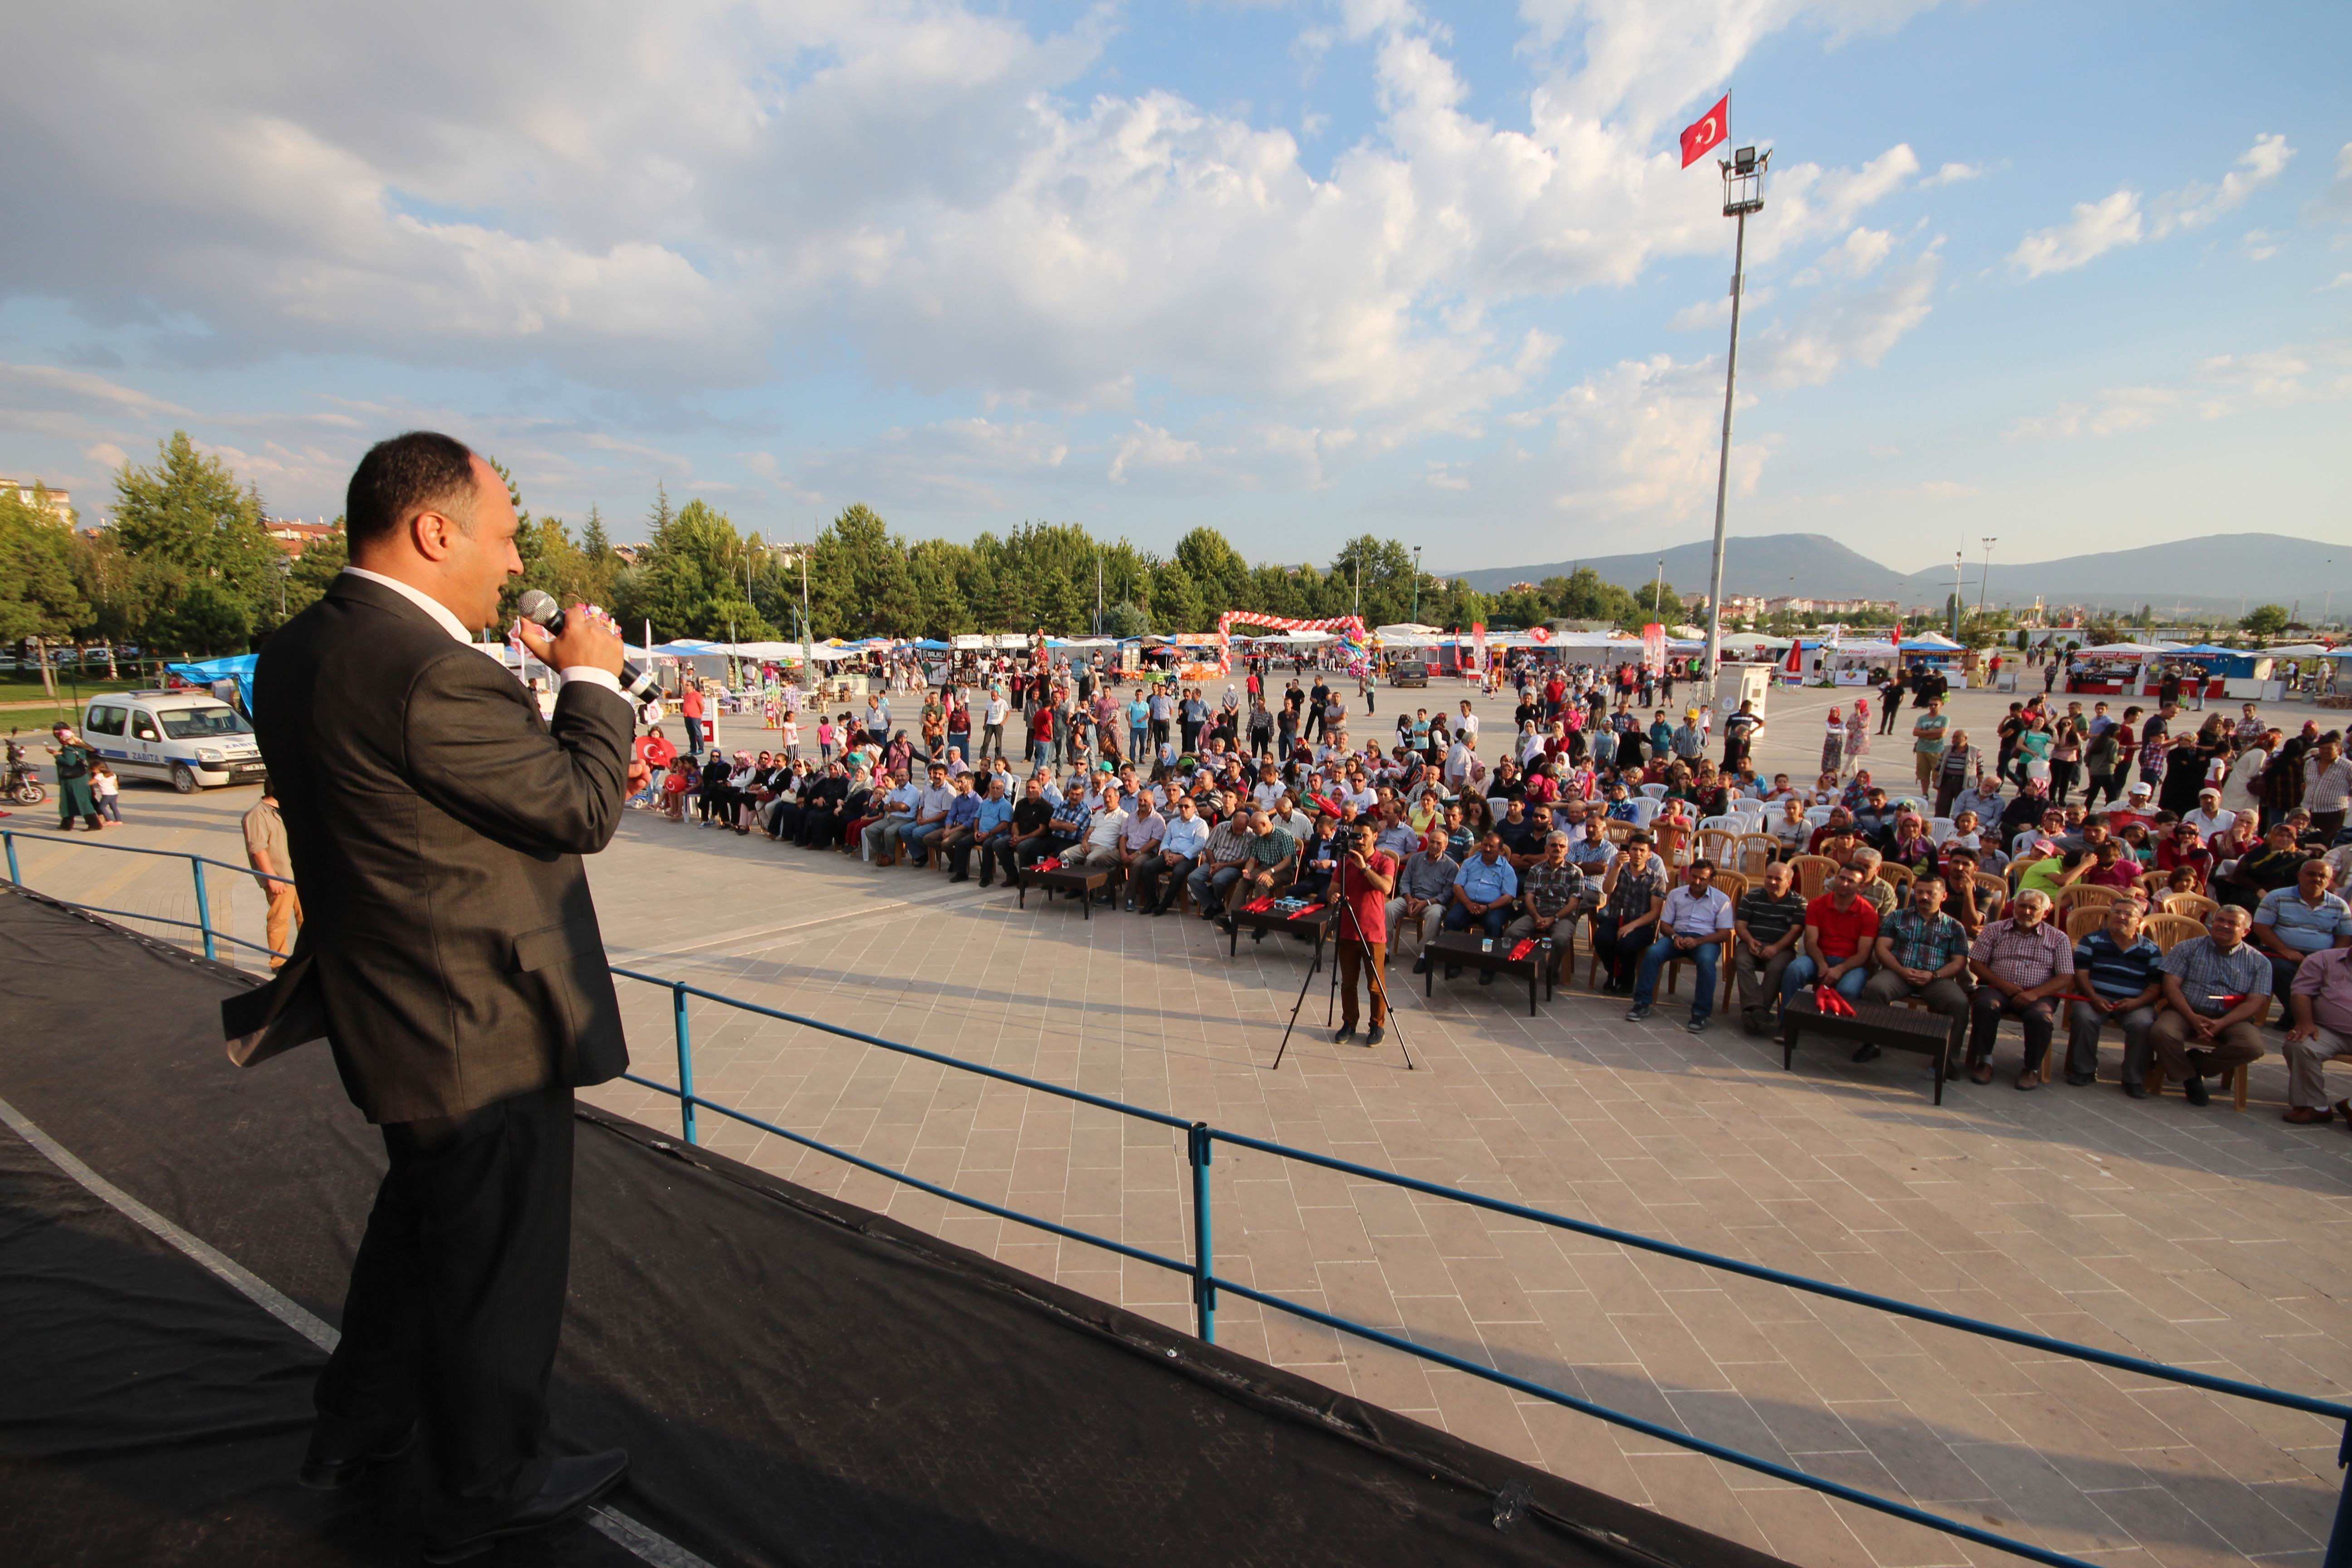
{"x": 1373, "y": 980}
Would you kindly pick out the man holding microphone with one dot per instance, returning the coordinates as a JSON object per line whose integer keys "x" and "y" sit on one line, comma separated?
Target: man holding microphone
{"x": 453, "y": 963}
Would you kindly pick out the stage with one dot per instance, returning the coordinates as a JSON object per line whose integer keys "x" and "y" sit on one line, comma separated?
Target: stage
{"x": 797, "y": 1380}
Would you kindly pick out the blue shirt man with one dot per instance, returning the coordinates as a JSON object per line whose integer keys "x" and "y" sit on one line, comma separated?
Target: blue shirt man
{"x": 1483, "y": 893}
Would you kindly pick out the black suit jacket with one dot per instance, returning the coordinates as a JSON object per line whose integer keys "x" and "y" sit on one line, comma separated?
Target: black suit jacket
{"x": 449, "y": 952}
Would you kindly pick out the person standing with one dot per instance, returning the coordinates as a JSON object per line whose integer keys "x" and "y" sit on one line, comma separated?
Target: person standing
{"x": 273, "y": 863}
{"x": 2328, "y": 786}
{"x": 75, "y": 796}
{"x": 689, "y": 705}
{"x": 457, "y": 973}
{"x": 1927, "y": 745}
{"x": 1360, "y": 887}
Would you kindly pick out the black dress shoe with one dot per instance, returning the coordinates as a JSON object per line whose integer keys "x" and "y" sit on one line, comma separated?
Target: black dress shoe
{"x": 1866, "y": 1052}
{"x": 571, "y": 1486}
{"x": 1375, "y": 1035}
{"x": 327, "y": 1472}
{"x": 1341, "y": 1036}
{"x": 2193, "y": 1091}
{"x": 2133, "y": 1086}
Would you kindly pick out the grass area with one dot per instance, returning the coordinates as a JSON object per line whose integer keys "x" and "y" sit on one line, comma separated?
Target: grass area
{"x": 17, "y": 685}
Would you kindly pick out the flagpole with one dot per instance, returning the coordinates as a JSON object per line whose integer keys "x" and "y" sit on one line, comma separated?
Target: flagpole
{"x": 1743, "y": 193}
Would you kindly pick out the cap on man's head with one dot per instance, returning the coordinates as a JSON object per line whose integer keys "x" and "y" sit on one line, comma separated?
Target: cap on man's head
{"x": 2142, "y": 789}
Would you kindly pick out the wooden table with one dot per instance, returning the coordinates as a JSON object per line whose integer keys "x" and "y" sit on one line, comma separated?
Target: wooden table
{"x": 1316, "y": 924}
{"x": 1461, "y": 947}
{"x": 1084, "y": 881}
{"x": 1890, "y": 1028}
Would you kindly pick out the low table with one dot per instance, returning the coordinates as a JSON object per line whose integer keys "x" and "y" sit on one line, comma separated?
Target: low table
{"x": 1084, "y": 881}
{"x": 1461, "y": 947}
{"x": 1316, "y": 925}
{"x": 1889, "y": 1028}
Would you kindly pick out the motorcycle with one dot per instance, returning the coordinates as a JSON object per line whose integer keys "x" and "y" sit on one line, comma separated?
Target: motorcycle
{"x": 23, "y": 782}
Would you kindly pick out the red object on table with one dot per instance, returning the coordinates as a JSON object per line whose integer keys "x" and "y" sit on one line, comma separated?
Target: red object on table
{"x": 1527, "y": 945}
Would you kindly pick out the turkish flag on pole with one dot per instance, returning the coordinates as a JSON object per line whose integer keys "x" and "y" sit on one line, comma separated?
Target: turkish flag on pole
{"x": 1711, "y": 132}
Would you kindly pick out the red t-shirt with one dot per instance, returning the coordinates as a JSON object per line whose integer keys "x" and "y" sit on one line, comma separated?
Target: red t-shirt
{"x": 691, "y": 704}
{"x": 1842, "y": 933}
{"x": 1371, "y": 905}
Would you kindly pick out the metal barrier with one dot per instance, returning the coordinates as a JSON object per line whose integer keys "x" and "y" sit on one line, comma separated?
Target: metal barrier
{"x": 1199, "y": 1143}
{"x": 202, "y": 924}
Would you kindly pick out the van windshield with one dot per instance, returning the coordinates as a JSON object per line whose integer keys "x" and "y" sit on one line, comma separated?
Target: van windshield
{"x": 202, "y": 724}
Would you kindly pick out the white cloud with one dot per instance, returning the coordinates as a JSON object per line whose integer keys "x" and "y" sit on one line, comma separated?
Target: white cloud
{"x": 1148, "y": 447}
{"x": 2118, "y": 220}
{"x": 2334, "y": 205}
{"x": 1952, "y": 174}
{"x": 2097, "y": 227}
{"x": 2259, "y": 244}
{"x": 1854, "y": 324}
{"x": 2319, "y": 371}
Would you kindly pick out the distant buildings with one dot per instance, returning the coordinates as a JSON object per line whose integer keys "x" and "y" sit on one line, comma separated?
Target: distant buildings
{"x": 294, "y": 537}
{"x": 33, "y": 493}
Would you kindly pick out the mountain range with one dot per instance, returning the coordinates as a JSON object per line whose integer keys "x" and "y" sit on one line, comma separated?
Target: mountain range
{"x": 2211, "y": 572}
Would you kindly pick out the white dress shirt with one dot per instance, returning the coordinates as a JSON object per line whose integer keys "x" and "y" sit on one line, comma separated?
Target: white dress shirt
{"x": 456, "y": 628}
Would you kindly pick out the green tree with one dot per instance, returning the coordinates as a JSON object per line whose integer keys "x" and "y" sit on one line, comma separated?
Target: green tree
{"x": 39, "y": 595}
{"x": 689, "y": 580}
{"x": 859, "y": 580}
{"x": 1175, "y": 602}
{"x": 315, "y": 568}
{"x": 1125, "y": 619}
{"x": 941, "y": 609}
{"x": 189, "y": 513}
{"x": 201, "y": 617}
{"x": 1219, "y": 575}
{"x": 2264, "y": 620}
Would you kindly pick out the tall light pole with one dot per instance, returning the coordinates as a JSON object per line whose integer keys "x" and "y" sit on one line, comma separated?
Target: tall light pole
{"x": 1959, "y": 573}
{"x": 1983, "y": 583}
{"x": 1743, "y": 193}
{"x": 1658, "y": 592}
{"x": 1415, "y": 617}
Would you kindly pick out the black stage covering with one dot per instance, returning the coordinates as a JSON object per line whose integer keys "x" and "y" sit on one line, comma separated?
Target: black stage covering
{"x": 798, "y": 1381}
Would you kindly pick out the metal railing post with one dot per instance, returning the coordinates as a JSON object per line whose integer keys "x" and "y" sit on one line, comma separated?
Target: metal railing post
{"x": 685, "y": 1062}
{"x": 1197, "y": 1141}
{"x": 13, "y": 876}
{"x": 2339, "y": 1539}
{"x": 204, "y": 910}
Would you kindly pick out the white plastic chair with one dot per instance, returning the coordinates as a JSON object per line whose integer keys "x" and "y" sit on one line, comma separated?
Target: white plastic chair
{"x": 1655, "y": 791}
{"x": 1939, "y": 829}
{"x": 1817, "y": 814}
{"x": 1644, "y": 808}
{"x": 1728, "y": 822}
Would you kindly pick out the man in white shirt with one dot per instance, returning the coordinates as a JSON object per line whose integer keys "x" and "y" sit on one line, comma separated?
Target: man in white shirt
{"x": 992, "y": 729}
{"x": 2210, "y": 820}
{"x": 1468, "y": 723}
{"x": 931, "y": 814}
{"x": 1100, "y": 847}
{"x": 1178, "y": 850}
{"x": 1694, "y": 924}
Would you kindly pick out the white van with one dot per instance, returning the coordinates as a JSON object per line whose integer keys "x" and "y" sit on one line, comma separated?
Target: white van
{"x": 192, "y": 738}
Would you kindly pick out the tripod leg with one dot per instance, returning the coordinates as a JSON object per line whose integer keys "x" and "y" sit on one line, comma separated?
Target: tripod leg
{"x": 1295, "y": 1006}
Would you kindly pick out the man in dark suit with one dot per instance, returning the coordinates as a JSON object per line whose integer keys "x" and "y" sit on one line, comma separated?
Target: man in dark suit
{"x": 453, "y": 963}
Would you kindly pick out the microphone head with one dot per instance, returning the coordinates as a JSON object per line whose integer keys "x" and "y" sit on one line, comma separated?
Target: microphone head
{"x": 538, "y": 607}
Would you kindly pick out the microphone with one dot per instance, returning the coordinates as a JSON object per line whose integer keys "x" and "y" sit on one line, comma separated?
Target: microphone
{"x": 540, "y": 609}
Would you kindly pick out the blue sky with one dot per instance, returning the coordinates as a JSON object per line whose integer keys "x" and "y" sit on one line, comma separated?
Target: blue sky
{"x": 2075, "y": 277}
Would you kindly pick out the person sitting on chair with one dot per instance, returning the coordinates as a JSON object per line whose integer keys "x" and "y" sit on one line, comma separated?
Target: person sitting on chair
{"x": 1551, "y": 890}
{"x": 2022, "y": 963}
{"x": 1840, "y": 927}
{"x": 1923, "y": 952}
{"x": 2215, "y": 988}
{"x": 1484, "y": 891}
{"x": 1694, "y": 923}
{"x": 2125, "y": 969}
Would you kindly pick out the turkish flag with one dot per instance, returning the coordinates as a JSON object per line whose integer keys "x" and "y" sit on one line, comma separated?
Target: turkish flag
{"x": 1712, "y": 130}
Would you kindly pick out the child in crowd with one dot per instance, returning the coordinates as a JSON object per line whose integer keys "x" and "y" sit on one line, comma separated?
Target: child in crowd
{"x": 674, "y": 787}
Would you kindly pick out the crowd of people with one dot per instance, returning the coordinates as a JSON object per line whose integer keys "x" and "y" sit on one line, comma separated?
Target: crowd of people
{"x": 1954, "y": 889}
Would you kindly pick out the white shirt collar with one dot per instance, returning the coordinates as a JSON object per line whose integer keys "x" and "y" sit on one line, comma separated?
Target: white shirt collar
{"x": 423, "y": 600}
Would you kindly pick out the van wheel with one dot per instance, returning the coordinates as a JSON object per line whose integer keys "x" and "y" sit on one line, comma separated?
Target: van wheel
{"x": 184, "y": 778}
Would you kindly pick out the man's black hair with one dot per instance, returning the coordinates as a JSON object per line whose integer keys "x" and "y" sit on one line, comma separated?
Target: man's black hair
{"x": 419, "y": 471}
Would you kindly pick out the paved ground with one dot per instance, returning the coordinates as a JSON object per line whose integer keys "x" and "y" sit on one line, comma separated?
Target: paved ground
{"x": 2209, "y": 1238}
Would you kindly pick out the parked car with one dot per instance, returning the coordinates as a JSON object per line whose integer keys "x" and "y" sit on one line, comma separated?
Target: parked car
{"x": 1409, "y": 672}
{"x": 190, "y": 738}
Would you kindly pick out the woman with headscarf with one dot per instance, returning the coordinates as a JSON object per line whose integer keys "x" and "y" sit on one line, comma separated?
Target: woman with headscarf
{"x": 1833, "y": 745}
{"x": 713, "y": 793}
{"x": 76, "y": 797}
{"x": 1857, "y": 730}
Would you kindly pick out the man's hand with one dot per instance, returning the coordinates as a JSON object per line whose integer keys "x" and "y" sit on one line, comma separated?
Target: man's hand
{"x": 2299, "y": 1032}
{"x": 640, "y": 772}
{"x": 2206, "y": 1027}
{"x": 589, "y": 638}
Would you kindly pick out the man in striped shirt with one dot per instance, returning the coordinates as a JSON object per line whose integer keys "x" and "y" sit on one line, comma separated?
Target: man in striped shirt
{"x": 2125, "y": 976}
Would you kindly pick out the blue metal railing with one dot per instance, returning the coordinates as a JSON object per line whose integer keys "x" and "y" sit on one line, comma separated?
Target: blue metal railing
{"x": 202, "y": 924}
{"x": 1200, "y": 1268}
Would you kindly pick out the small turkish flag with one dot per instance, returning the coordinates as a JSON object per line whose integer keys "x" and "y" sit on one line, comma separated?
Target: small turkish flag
{"x": 1709, "y": 134}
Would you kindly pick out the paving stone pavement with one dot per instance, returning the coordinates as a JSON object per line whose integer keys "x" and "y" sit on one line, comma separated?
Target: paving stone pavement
{"x": 2212, "y": 1239}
